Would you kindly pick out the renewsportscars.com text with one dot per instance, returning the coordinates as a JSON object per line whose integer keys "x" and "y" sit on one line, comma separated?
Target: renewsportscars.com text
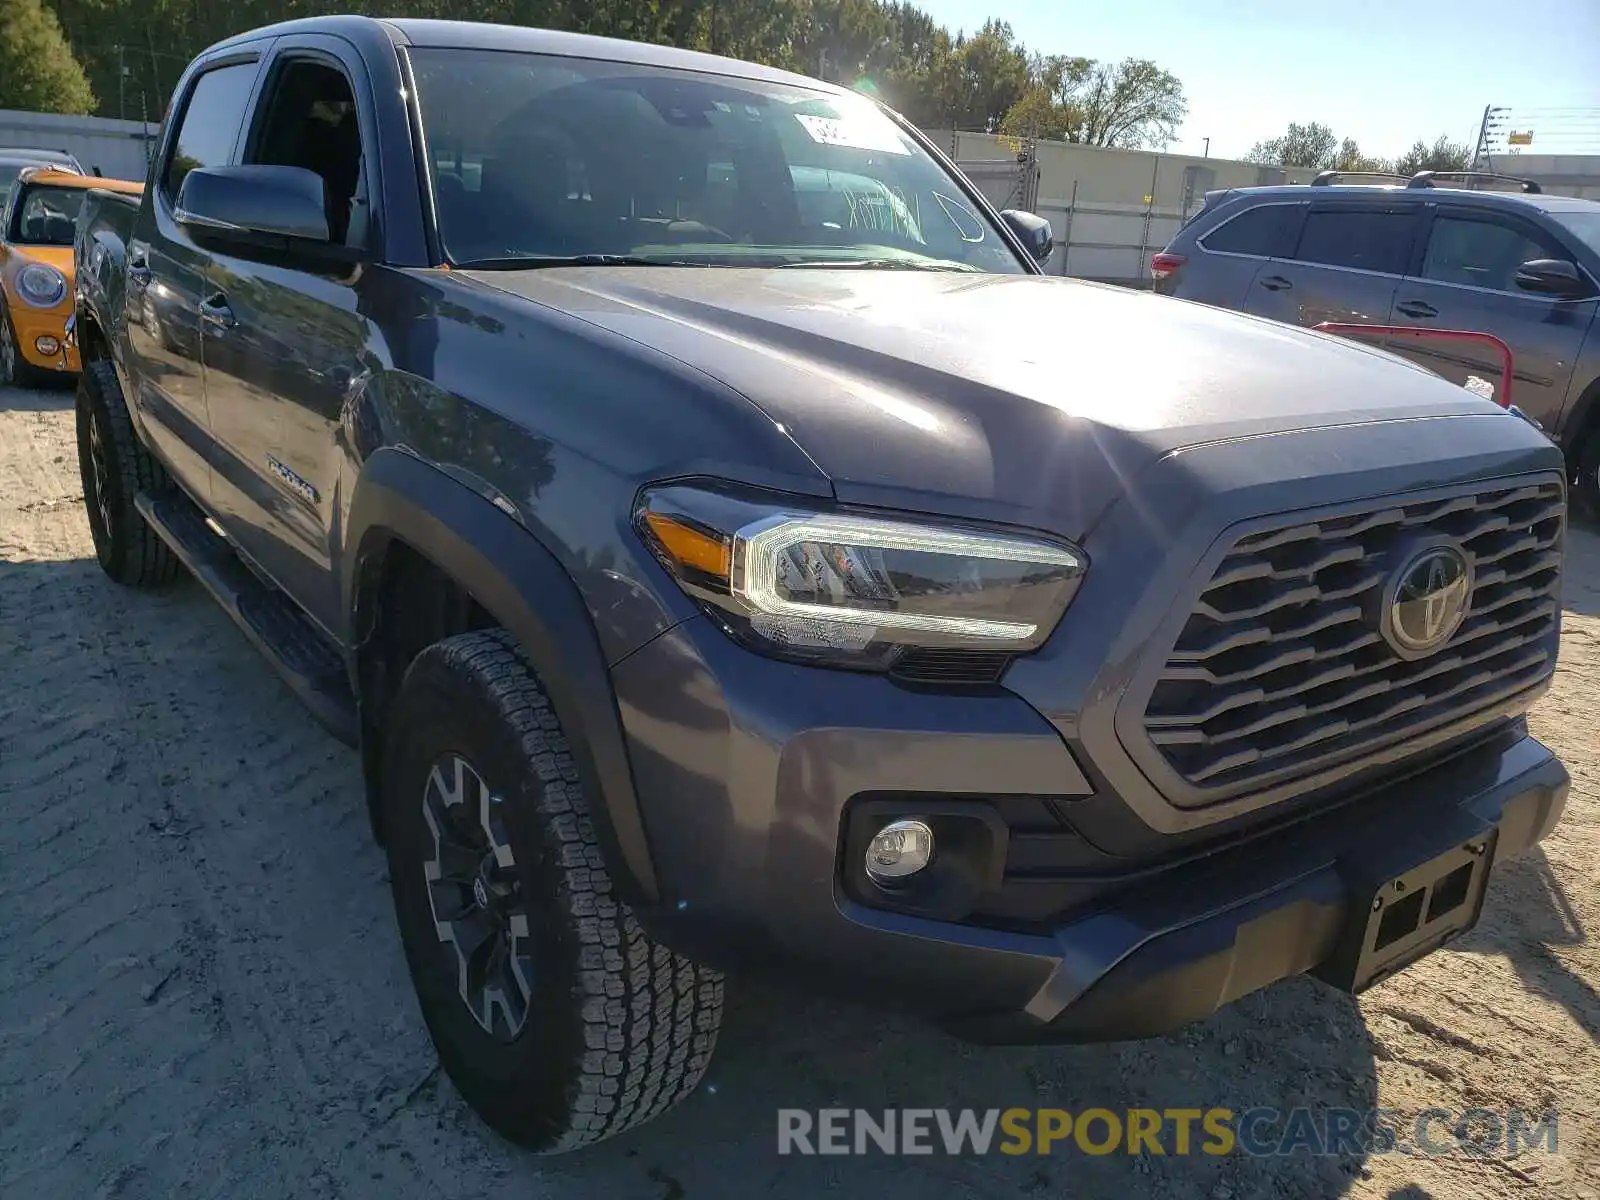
{"x": 1255, "y": 1132}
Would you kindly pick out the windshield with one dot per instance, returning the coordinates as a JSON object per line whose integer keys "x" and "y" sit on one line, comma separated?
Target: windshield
{"x": 1585, "y": 226}
{"x": 9, "y": 170}
{"x": 541, "y": 157}
{"x": 46, "y": 216}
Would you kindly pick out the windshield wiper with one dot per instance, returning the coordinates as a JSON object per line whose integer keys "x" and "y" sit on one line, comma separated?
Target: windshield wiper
{"x": 514, "y": 262}
{"x": 877, "y": 264}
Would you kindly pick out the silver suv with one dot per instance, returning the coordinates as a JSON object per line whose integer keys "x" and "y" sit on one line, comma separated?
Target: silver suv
{"x": 1412, "y": 252}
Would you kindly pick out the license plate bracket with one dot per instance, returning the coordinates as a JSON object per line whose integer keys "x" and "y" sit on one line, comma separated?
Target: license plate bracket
{"x": 1396, "y": 921}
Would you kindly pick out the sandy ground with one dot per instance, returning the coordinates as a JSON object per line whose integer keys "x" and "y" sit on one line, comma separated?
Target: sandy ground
{"x": 202, "y": 992}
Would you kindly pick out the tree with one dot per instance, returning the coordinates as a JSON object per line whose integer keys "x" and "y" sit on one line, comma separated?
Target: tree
{"x": 1350, "y": 158}
{"x": 981, "y": 79}
{"x": 1052, "y": 107}
{"x": 1443, "y": 155}
{"x": 921, "y": 44}
{"x": 1131, "y": 105}
{"x": 37, "y": 70}
{"x": 134, "y": 50}
{"x": 1310, "y": 145}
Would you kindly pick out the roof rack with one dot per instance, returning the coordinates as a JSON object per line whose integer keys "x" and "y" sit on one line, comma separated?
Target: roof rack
{"x": 1426, "y": 179}
{"x": 1328, "y": 178}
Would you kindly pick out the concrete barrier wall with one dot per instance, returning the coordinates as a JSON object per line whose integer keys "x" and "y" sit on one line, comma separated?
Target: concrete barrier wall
{"x": 1558, "y": 174}
{"x": 120, "y": 149}
{"x": 1110, "y": 209}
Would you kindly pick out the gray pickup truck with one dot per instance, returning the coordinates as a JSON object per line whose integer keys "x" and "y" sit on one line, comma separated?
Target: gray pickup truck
{"x": 729, "y": 552}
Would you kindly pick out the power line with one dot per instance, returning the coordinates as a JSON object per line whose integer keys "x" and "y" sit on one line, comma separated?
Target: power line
{"x": 1549, "y": 129}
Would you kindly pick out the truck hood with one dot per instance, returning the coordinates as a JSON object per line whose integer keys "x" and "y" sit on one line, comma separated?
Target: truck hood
{"x": 1017, "y": 398}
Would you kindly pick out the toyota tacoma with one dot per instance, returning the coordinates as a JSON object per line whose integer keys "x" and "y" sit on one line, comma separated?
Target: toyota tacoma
{"x": 730, "y": 552}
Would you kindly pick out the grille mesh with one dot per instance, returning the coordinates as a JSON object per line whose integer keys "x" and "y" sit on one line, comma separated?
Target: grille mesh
{"x": 1280, "y": 668}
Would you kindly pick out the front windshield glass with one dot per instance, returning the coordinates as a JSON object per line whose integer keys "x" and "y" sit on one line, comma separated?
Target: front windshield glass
{"x": 46, "y": 216}
{"x": 1585, "y": 226}
{"x": 9, "y": 170}
{"x": 541, "y": 157}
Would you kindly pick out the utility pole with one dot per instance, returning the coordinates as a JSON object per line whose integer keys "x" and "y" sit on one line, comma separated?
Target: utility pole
{"x": 1483, "y": 132}
{"x": 1207, "y": 153}
{"x": 122, "y": 86}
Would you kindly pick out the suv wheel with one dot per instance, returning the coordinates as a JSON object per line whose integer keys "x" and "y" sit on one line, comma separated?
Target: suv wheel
{"x": 559, "y": 1021}
{"x": 115, "y": 468}
{"x": 1585, "y": 496}
{"x": 14, "y": 372}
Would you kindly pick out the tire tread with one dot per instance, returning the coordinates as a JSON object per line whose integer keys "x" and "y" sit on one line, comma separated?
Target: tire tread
{"x": 142, "y": 559}
{"x": 650, "y": 1017}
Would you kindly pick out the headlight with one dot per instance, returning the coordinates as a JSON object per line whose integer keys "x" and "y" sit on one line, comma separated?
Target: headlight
{"x": 852, "y": 589}
{"x": 41, "y": 286}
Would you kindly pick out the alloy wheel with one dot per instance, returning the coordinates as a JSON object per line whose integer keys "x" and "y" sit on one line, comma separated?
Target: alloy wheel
{"x": 101, "y": 474}
{"x": 479, "y": 911}
{"x": 8, "y": 354}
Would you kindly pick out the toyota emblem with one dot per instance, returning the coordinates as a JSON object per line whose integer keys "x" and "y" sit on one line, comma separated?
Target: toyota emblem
{"x": 1427, "y": 599}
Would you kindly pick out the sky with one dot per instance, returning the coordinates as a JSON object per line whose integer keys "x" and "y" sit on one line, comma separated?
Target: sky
{"x": 1382, "y": 73}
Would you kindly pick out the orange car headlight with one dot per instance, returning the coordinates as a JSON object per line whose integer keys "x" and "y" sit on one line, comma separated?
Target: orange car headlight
{"x": 41, "y": 286}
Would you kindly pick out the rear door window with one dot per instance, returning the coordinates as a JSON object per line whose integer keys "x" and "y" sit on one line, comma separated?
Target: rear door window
{"x": 1263, "y": 231}
{"x": 1359, "y": 238}
{"x": 1481, "y": 251}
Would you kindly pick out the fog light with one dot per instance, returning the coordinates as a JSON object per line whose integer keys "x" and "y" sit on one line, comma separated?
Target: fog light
{"x": 47, "y": 345}
{"x": 899, "y": 850}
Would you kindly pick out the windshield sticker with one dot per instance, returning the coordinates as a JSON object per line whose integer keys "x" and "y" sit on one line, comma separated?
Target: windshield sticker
{"x": 852, "y": 133}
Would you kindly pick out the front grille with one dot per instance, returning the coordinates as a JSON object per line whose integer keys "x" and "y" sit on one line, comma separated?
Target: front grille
{"x": 1281, "y": 670}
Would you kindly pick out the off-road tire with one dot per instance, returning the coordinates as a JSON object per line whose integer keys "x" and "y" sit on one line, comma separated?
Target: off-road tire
{"x": 618, "y": 1028}
{"x": 128, "y": 549}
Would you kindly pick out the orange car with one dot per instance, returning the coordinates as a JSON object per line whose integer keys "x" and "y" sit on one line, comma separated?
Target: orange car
{"x": 36, "y": 235}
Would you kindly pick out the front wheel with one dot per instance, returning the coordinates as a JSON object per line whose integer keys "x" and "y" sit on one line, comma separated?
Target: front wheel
{"x": 1585, "y": 496}
{"x": 14, "y": 370}
{"x": 558, "y": 1020}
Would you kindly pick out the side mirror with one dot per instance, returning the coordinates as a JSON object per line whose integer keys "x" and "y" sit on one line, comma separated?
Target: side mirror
{"x": 269, "y": 208}
{"x": 1033, "y": 230}
{"x": 1551, "y": 277}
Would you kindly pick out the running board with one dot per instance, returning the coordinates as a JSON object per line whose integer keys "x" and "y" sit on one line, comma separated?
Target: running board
{"x": 309, "y": 663}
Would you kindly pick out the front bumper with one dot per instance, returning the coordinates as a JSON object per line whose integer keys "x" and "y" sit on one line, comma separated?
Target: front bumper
{"x": 748, "y": 771}
{"x": 1217, "y": 929}
{"x": 31, "y": 324}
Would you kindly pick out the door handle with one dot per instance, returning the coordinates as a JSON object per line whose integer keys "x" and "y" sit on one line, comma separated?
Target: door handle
{"x": 1276, "y": 283}
{"x": 138, "y": 264}
{"x": 1416, "y": 308}
{"x": 214, "y": 311}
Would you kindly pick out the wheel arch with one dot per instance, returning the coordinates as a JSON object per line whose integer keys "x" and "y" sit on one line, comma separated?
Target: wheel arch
{"x": 1584, "y": 421}
{"x": 88, "y": 334}
{"x": 404, "y": 510}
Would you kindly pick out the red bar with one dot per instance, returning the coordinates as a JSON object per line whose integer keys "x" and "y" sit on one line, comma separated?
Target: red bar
{"x": 1503, "y": 398}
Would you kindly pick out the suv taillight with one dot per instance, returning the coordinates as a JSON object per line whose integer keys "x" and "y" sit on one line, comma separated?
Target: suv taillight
{"x": 1163, "y": 264}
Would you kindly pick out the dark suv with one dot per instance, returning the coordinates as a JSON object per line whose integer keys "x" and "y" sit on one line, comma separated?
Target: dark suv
{"x": 664, "y": 469}
{"x": 1518, "y": 264}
